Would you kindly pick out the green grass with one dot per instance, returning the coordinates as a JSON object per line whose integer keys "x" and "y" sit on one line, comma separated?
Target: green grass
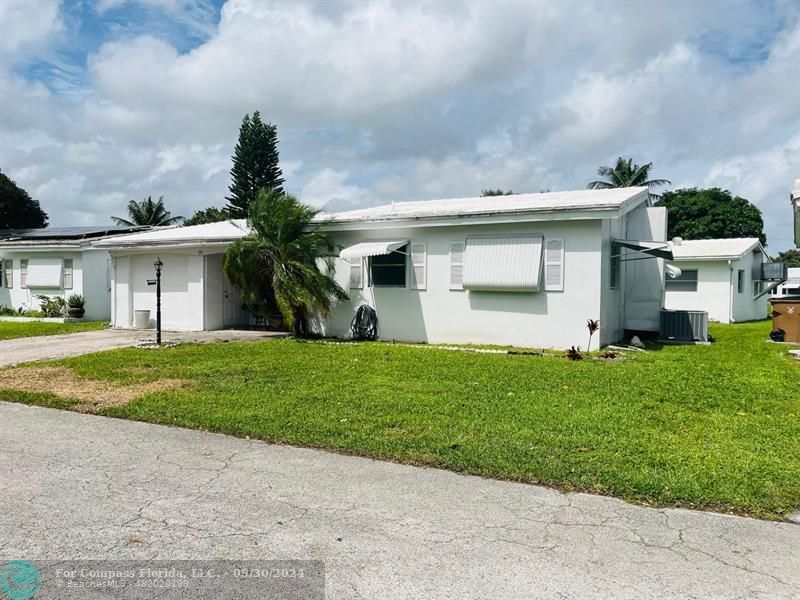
{"x": 713, "y": 427}
{"x": 17, "y": 329}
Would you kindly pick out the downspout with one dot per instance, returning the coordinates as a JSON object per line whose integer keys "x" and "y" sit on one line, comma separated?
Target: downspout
{"x": 730, "y": 292}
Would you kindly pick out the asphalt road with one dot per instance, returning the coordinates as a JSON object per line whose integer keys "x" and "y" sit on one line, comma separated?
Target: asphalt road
{"x": 78, "y": 486}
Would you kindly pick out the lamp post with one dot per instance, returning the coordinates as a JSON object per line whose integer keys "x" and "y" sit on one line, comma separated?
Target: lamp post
{"x": 158, "y": 264}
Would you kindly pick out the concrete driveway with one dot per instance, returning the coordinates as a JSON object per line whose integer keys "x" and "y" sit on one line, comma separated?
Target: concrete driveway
{"x": 81, "y": 486}
{"x": 48, "y": 347}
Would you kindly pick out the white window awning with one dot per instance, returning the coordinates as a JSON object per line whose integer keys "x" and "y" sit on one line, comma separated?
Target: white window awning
{"x": 503, "y": 263}
{"x": 657, "y": 249}
{"x": 371, "y": 249}
{"x": 672, "y": 271}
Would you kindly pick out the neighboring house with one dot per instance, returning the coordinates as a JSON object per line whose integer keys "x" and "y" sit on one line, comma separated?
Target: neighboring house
{"x": 790, "y": 287}
{"x": 722, "y": 277}
{"x": 525, "y": 270}
{"x": 795, "y": 197}
{"x": 57, "y": 261}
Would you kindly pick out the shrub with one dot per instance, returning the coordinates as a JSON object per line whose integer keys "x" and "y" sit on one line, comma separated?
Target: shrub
{"x": 76, "y": 301}
{"x": 52, "y": 306}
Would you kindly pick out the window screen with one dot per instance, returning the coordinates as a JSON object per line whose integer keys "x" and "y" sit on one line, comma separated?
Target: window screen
{"x": 740, "y": 281}
{"x": 685, "y": 282}
{"x": 23, "y": 272}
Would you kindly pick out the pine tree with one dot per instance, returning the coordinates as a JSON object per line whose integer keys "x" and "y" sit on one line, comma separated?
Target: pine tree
{"x": 255, "y": 165}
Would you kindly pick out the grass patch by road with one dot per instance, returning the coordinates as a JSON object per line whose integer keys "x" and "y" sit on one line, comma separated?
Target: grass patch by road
{"x": 713, "y": 427}
{"x": 17, "y": 329}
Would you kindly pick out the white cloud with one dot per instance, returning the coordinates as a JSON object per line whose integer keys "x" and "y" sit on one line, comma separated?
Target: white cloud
{"x": 26, "y": 24}
{"x": 407, "y": 100}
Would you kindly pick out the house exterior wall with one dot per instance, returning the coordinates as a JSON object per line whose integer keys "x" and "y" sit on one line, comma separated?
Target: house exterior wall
{"x": 745, "y": 306}
{"x": 90, "y": 278}
{"x": 439, "y": 314}
{"x": 191, "y": 289}
{"x": 713, "y": 293}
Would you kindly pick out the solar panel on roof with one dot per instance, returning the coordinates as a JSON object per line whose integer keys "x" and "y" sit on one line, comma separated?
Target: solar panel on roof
{"x": 66, "y": 233}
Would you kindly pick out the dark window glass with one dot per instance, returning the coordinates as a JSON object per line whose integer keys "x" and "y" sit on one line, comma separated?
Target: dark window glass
{"x": 389, "y": 269}
{"x": 685, "y": 282}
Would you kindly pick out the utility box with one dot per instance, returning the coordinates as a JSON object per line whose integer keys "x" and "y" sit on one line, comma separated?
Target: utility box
{"x": 786, "y": 317}
{"x": 684, "y": 325}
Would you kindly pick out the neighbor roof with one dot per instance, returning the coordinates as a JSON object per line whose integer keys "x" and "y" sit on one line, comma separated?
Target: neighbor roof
{"x": 713, "y": 249}
{"x": 222, "y": 232}
{"x": 66, "y": 233}
{"x": 546, "y": 202}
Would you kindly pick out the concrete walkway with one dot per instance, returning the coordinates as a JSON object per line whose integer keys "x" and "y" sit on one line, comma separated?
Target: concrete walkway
{"x": 81, "y": 486}
{"x": 48, "y": 347}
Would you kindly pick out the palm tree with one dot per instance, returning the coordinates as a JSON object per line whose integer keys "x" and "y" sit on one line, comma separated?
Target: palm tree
{"x": 626, "y": 173}
{"x": 278, "y": 266}
{"x": 148, "y": 212}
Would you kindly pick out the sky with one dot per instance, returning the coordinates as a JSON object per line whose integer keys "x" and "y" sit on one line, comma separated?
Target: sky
{"x": 106, "y": 101}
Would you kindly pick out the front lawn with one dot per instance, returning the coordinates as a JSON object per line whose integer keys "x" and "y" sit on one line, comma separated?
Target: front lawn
{"x": 714, "y": 427}
{"x": 16, "y": 329}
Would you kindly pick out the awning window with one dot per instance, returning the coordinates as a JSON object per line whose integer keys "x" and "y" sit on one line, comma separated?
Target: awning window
{"x": 503, "y": 264}
{"x": 656, "y": 249}
{"x": 365, "y": 249}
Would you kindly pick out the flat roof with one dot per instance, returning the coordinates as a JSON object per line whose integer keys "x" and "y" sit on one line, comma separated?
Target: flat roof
{"x": 548, "y": 202}
{"x": 713, "y": 249}
{"x": 223, "y": 231}
{"x": 545, "y": 202}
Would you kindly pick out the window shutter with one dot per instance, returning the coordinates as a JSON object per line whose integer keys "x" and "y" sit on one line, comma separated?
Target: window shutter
{"x": 67, "y": 273}
{"x": 554, "y": 265}
{"x": 418, "y": 263}
{"x": 356, "y": 273}
{"x": 8, "y": 267}
{"x": 456, "y": 265}
{"x": 23, "y": 272}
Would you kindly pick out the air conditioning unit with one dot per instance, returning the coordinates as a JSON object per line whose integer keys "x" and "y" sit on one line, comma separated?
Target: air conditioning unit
{"x": 774, "y": 271}
{"x": 684, "y": 325}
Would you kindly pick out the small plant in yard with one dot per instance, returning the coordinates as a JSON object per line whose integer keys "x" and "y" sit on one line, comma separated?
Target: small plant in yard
{"x": 52, "y": 306}
{"x": 592, "y": 326}
{"x": 574, "y": 353}
{"x": 75, "y": 303}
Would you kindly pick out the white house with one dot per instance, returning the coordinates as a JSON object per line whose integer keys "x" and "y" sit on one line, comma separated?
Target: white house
{"x": 722, "y": 277}
{"x": 790, "y": 287}
{"x": 525, "y": 270}
{"x": 195, "y": 294}
{"x": 57, "y": 261}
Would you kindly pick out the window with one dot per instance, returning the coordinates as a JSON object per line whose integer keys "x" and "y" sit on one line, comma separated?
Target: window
{"x": 456, "y": 265}
{"x": 685, "y": 282}
{"x": 389, "y": 270}
{"x": 8, "y": 267}
{"x": 554, "y": 266}
{"x": 756, "y": 288}
{"x": 356, "y": 273}
{"x": 615, "y": 264}
{"x": 67, "y": 273}
{"x": 23, "y": 272}
{"x": 740, "y": 282}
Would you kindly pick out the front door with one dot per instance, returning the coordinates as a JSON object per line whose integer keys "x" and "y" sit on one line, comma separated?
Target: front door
{"x": 232, "y": 312}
